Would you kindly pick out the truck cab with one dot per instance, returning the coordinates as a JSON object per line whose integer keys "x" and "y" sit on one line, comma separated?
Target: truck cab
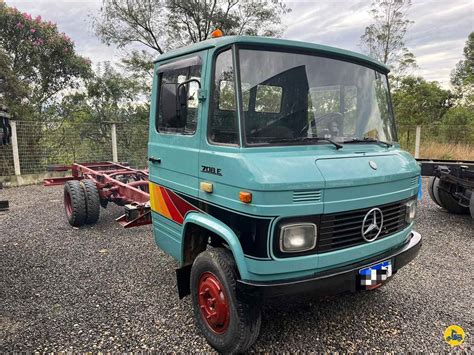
{"x": 275, "y": 169}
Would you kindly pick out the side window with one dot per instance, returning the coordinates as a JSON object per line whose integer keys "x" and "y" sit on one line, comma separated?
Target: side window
{"x": 268, "y": 99}
{"x": 171, "y": 118}
{"x": 223, "y": 125}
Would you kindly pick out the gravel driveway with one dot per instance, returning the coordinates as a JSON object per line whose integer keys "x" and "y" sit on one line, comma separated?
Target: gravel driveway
{"x": 107, "y": 288}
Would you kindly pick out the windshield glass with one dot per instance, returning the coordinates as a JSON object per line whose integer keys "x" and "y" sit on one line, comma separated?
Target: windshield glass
{"x": 297, "y": 98}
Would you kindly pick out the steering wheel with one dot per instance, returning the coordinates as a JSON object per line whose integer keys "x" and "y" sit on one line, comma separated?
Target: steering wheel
{"x": 274, "y": 122}
{"x": 319, "y": 119}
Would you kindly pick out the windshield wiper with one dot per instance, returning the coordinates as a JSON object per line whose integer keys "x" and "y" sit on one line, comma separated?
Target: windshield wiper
{"x": 368, "y": 140}
{"x": 305, "y": 139}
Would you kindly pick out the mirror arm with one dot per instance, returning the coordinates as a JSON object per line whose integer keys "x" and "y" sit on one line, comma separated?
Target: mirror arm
{"x": 187, "y": 82}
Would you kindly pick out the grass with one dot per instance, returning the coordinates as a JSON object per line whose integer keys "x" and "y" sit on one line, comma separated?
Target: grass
{"x": 448, "y": 151}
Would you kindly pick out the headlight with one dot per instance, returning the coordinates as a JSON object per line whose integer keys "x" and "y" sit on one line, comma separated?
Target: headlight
{"x": 411, "y": 211}
{"x": 298, "y": 237}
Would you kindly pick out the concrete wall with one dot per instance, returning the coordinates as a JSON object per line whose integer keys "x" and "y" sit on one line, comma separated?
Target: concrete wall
{"x": 30, "y": 179}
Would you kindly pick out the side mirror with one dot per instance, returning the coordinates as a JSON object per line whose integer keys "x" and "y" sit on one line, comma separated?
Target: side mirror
{"x": 174, "y": 104}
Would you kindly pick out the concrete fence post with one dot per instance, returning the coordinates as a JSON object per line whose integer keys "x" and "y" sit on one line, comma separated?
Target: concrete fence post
{"x": 16, "y": 156}
{"x": 114, "y": 143}
{"x": 417, "y": 142}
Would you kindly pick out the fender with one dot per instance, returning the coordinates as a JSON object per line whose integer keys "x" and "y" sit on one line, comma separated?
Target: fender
{"x": 222, "y": 230}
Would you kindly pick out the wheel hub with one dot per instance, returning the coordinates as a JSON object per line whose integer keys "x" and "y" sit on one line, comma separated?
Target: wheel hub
{"x": 213, "y": 303}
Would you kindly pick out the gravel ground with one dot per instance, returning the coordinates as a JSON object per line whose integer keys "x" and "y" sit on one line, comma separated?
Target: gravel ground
{"x": 106, "y": 288}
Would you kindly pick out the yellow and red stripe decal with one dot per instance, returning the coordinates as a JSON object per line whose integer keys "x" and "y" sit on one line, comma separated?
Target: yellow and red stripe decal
{"x": 168, "y": 204}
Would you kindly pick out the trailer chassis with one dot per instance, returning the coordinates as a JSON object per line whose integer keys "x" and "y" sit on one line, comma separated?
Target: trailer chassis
{"x": 451, "y": 184}
{"x": 115, "y": 182}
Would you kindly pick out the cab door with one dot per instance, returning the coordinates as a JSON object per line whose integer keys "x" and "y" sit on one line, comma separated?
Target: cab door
{"x": 174, "y": 142}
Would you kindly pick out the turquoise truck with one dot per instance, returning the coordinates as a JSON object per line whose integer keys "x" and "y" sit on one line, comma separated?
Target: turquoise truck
{"x": 275, "y": 169}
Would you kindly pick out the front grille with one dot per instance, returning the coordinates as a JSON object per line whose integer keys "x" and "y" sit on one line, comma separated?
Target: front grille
{"x": 343, "y": 230}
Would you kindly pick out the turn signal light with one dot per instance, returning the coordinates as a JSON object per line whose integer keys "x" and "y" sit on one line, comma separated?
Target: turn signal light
{"x": 245, "y": 197}
{"x": 216, "y": 33}
{"x": 206, "y": 186}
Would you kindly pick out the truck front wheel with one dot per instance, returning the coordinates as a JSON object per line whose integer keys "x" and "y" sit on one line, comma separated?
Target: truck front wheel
{"x": 229, "y": 325}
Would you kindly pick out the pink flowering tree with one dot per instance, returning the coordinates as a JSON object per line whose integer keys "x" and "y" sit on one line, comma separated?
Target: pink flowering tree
{"x": 37, "y": 61}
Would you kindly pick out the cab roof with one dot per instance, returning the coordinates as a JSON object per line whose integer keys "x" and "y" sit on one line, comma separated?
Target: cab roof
{"x": 275, "y": 42}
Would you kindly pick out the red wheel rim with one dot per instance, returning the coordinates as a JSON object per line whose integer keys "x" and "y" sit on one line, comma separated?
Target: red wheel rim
{"x": 213, "y": 303}
{"x": 68, "y": 204}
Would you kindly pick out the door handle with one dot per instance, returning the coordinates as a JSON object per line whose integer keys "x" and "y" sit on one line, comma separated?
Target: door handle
{"x": 154, "y": 160}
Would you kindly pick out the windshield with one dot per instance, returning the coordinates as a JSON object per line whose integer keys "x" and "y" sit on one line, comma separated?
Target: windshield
{"x": 290, "y": 97}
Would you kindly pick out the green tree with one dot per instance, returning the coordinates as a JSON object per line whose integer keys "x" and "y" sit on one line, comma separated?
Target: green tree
{"x": 463, "y": 74}
{"x": 140, "y": 66}
{"x": 79, "y": 127}
{"x": 110, "y": 94}
{"x": 35, "y": 54}
{"x": 458, "y": 124}
{"x": 462, "y": 77}
{"x": 384, "y": 39}
{"x": 115, "y": 97}
{"x": 161, "y": 25}
{"x": 418, "y": 102}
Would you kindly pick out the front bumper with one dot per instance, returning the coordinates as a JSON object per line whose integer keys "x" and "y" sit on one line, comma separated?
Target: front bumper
{"x": 333, "y": 281}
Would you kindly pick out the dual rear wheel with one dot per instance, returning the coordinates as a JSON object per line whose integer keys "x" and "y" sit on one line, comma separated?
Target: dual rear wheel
{"x": 81, "y": 202}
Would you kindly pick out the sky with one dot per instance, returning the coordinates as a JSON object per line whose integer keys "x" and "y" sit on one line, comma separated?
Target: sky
{"x": 437, "y": 36}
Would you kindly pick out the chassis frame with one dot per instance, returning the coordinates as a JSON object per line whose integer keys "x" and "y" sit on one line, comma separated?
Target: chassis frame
{"x": 117, "y": 183}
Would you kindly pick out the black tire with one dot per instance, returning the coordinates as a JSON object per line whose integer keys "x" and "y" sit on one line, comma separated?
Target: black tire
{"x": 75, "y": 203}
{"x": 436, "y": 192}
{"x": 244, "y": 320}
{"x": 431, "y": 186}
{"x": 104, "y": 202}
{"x": 471, "y": 205}
{"x": 448, "y": 202}
{"x": 92, "y": 201}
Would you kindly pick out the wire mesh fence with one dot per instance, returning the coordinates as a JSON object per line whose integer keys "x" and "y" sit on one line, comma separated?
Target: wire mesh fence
{"x": 43, "y": 144}
{"x": 132, "y": 144}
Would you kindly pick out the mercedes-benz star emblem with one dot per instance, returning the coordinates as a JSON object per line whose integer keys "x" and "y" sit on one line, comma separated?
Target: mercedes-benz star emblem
{"x": 372, "y": 224}
{"x": 373, "y": 164}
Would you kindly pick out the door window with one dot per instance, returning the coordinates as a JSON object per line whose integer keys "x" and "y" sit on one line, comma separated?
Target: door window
{"x": 223, "y": 126}
{"x": 171, "y": 117}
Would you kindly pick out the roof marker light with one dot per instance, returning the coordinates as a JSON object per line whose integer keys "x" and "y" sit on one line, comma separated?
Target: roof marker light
{"x": 217, "y": 33}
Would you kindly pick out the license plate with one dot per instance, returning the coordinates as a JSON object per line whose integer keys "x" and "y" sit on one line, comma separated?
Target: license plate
{"x": 375, "y": 274}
